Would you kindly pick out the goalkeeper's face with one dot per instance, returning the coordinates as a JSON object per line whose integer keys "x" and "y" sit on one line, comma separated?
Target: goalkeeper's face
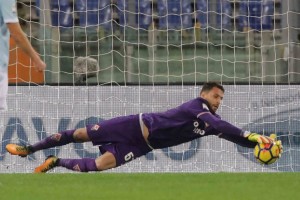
{"x": 214, "y": 97}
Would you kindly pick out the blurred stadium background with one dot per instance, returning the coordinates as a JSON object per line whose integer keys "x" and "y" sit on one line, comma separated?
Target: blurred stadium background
{"x": 107, "y": 58}
{"x": 152, "y": 41}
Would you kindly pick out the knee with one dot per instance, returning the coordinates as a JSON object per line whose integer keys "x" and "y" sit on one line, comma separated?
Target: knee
{"x": 80, "y": 135}
{"x": 106, "y": 161}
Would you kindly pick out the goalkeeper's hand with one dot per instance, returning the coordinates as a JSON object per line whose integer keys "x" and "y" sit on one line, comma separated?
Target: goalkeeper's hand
{"x": 255, "y": 137}
{"x": 277, "y": 142}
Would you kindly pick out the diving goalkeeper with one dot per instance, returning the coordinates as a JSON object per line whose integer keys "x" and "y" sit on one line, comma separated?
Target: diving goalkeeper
{"x": 123, "y": 139}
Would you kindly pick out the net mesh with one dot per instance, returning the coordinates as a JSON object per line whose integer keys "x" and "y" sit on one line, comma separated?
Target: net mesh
{"x": 112, "y": 58}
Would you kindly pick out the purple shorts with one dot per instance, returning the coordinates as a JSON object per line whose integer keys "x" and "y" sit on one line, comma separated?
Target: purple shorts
{"x": 121, "y": 136}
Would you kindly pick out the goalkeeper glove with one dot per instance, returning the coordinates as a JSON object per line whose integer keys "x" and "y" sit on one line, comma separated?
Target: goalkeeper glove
{"x": 277, "y": 142}
{"x": 255, "y": 137}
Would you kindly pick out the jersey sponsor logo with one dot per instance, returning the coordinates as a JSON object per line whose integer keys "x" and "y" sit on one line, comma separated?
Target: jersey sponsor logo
{"x": 95, "y": 127}
{"x": 198, "y": 130}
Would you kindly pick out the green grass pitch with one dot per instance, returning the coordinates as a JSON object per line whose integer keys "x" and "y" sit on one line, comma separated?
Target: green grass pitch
{"x": 150, "y": 186}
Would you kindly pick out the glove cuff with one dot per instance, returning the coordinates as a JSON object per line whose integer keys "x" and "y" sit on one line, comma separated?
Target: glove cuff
{"x": 246, "y": 134}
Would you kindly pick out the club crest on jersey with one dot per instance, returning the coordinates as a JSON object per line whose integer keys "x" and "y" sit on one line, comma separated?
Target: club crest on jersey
{"x": 198, "y": 130}
{"x": 56, "y": 136}
{"x": 95, "y": 127}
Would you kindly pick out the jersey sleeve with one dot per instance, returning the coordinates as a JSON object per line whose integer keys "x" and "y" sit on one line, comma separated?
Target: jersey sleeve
{"x": 9, "y": 11}
{"x": 244, "y": 142}
{"x": 205, "y": 114}
{"x": 199, "y": 108}
{"x": 221, "y": 125}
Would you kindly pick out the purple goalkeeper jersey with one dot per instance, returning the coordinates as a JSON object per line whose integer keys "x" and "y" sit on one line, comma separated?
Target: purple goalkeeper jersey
{"x": 187, "y": 122}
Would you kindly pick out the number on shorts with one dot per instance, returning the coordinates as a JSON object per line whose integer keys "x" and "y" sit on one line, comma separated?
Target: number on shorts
{"x": 128, "y": 156}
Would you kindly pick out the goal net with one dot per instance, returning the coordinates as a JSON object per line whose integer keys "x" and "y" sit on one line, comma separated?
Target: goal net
{"x": 112, "y": 58}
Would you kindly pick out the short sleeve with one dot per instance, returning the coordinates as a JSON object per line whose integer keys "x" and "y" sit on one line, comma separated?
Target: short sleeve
{"x": 9, "y": 11}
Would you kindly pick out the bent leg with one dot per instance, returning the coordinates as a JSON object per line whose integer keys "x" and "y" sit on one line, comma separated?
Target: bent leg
{"x": 61, "y": 138}
{"x": 57, "y": 139}
{"x": 81, "y": 135}
{"x": 106, "y": 161}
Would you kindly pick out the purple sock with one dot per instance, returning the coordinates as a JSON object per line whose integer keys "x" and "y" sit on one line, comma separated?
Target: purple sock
{"x": 57, "y": 139}
{"x": 80, "y": 165}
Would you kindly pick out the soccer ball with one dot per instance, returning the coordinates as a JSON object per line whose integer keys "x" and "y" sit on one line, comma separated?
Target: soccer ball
{"x": 266, "y": 153}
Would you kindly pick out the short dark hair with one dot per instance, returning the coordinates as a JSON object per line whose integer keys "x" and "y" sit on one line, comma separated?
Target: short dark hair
{"x": 210, "y": 85}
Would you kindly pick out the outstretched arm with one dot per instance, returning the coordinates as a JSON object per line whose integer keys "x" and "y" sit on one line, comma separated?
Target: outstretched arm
{"x": 244, "y": 142}
{"x": 222, "y": 126}
{"x": 21, "y": 40}
{"x": 232, "y": 132}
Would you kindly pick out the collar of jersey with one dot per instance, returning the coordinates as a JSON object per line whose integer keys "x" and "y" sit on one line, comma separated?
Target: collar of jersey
{"x": 206, "y": 102}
